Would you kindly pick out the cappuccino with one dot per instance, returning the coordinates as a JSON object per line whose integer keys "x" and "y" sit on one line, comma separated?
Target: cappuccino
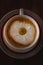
{"x": 20, "y": 32}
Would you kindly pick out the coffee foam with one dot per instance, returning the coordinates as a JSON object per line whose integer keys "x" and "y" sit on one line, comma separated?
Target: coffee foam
{"x": 22, "y": 39}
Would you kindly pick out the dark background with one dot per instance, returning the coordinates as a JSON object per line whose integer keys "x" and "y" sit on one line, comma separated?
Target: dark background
{"x": 33, "y": 5}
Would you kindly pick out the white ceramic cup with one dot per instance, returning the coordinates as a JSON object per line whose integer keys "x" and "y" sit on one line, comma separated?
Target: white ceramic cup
{"x": 27, "y": 48}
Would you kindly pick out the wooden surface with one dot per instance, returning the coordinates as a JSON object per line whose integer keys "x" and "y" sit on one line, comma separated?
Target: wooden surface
{"x": 33, "y": 5}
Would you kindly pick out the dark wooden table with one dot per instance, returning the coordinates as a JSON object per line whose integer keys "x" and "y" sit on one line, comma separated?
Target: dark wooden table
{"x": 33, "y": 5}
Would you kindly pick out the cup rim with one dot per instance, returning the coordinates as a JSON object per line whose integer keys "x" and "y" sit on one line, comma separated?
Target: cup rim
{"x": 32, "y": 45}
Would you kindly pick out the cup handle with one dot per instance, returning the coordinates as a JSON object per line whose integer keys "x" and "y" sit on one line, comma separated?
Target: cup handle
{"x": 21, "y": 12}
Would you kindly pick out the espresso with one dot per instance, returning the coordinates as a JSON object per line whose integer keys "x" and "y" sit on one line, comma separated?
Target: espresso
{"x": 20, "y": 32}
